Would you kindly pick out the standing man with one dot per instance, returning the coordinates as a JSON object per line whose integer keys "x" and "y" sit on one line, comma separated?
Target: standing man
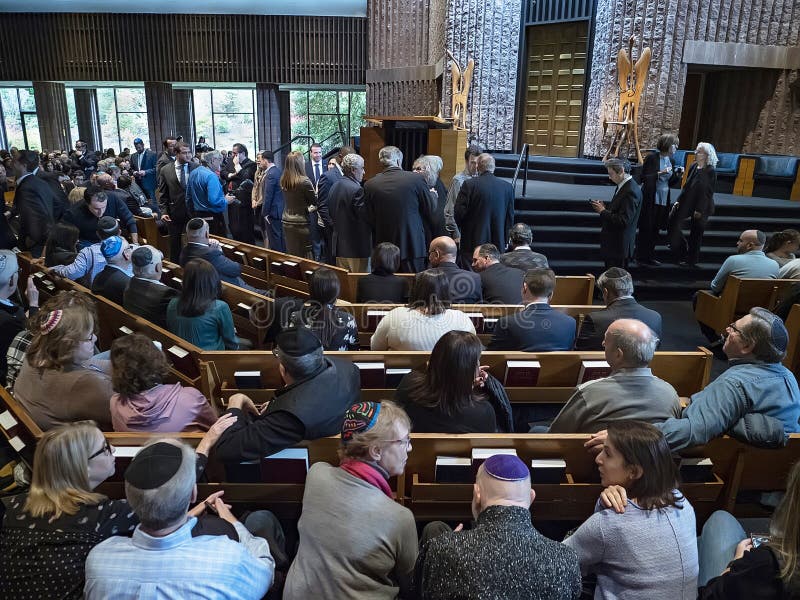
{"x": 208, "y": 201}
{"x": 351, "y": 242}
{"x": 326, "y": 208}
{"x": 34, "y": 202}
{"x": 240, "y": 184}
{"x": 398, "y": 207}
{"x": 314, "y": 168}
{"x": 314, "y": 171}
{"x": 272, "y": 204}
{"x": 470, "y": 170}
{"x": 484, "y": 209}
{"x": 143, "y": 165}
{"x": 172, "y": 194}
{"x": 167, "y": 156}
{"x": 84, "y": 160}
{"x": 618, "y": 221}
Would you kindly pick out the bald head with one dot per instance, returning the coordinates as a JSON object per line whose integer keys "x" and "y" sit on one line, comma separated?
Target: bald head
{"x": 629, "y": 344}
{"x": 490, "y": 491}
{"x": 442, "y": 249}
{"x": 750, "y": 240}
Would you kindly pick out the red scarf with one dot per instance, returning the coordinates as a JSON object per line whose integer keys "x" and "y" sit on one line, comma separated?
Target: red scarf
{"x": 368, "y": 473}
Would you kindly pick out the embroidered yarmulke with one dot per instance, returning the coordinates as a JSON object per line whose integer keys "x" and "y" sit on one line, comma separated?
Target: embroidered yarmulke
{"x": 360, "y": 417}
{"x": 110, "y": 247}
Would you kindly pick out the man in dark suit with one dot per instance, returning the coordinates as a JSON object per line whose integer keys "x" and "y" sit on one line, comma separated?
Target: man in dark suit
{"x": 272, "y": 205}
{"x": 501, "y": 284}
{"x": 167, "y": 156}
{"x": 351, "y": 242}
{"x": 143, "y": 166}
{"x": 537, "y": 327}
{"x": 520, "y": 256}
{"x": 112, "y": 281}
{"x": 145, "y": 295}
{"x": 617, "y": 287}
{"x": 83, "y": 159}
{"x": 484, "y": 209}
{"x": 172, "y": 181}
{"x": 465, "y": 286}
{"x": 398, "y": 207}
{"x": 325, "y": 206}
{"x": 619, "y": 219}
{"x": 240, "y": 185}
{"x": 60, "y": 201}
{"x": 33, "y": 202}
{"x": 315, "y": 169}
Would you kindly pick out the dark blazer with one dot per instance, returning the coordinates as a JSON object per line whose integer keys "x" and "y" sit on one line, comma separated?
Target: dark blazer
{"x": 325, "y": 206}
{"x": 524, "y": 259}
{"x": 618, "y": 222}
{"x": 697, "y": 193}
{"x": 502, "y": 284}
{"x": 437, "y": 227}
{"x": 111, "y": 283}
{"x": 146, "y": 161}
{"x": 398, "y": 207}
{"x": 389, "y": 289}
{"x": 33, "y": 201}
{"x": 484, "y": 211}
{"x": 86, "y": 222}
{"x": 323, "y": 168}
{"x": 465, "y": 286}
{"x": 594, "y": 326}
{"x": 273, "y": 196}
{"x": 171, "y": 195}
{"x": 352, "y": 235}
{"x": 60, "y": 201}
{"x": 229, "y": 270}
{"x": 246, "y": 173}
{"x": 536, "y": 328}
{"x": 148, "y": 299}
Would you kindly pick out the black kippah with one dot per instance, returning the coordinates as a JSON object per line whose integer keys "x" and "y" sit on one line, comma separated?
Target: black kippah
{"x": 142, "y": 256}
{"x": 195, "y": 224}
{"x": 154, "y": 466}
{"x": 297, "y": 342}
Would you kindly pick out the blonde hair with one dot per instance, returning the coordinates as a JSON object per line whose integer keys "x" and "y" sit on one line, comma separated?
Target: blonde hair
{"x": 76, "y": 195}
{"x": 56, "y": 349}
{"x": 359, "y": 445}
{"x": 294, "y": 171}
{"x": 785, "y": 528}
{"x": 60, "y": 481}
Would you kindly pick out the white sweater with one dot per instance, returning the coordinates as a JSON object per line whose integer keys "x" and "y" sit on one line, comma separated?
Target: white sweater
{"x": 408, "y": 329}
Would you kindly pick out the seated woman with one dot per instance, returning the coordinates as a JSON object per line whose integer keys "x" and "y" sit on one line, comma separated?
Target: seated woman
{"x": 640, "y": 542}
{"x": 732, "y": 568}
{"x": 355, "y": 540}
{"x": 782, "y": 246}
{"x": 335, "y": 328}
{"x": 55, "y": 384}
{"x": 48, "y": 532}
{"x": 382, "y": 285}
{"x": 142, "y": 402}
{"x": 198, "y": 315}
{"x": 419, "y": 325}
{"x": 62, "y": 245}
{"x": 447, "y": 396}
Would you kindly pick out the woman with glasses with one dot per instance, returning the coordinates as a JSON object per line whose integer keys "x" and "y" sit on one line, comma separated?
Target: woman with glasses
{"x": 355, "y": 540}
{"x": 56, "y": 384}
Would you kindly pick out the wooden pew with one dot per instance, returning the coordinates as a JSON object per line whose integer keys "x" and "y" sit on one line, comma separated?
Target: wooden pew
{"x": 792, "y": 359}
{"x": 737, "y": 298}
{"x": 148, "y": 234}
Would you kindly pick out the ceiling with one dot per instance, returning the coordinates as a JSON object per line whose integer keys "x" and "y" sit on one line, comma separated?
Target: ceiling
{"x": 327, "y": 8}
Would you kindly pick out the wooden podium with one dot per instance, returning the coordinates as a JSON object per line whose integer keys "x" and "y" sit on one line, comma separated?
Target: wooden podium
{"x": 414, "y": 135}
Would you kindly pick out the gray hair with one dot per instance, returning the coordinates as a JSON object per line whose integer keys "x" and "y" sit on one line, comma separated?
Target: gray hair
{"x": 427, "y": 173}
{"x": 350, "y": 162}
{"x": 713, "y": 159}
{"x": 486, "y": 163}
{"x": 637, "y": 345}
{"x": 759, "y": 332}
{"x": 196, "y": 234}
{"x": 300, "y": 367}
{"x": 156, "y": 256}
{"x": 214, "y": 155}
{"x": 167, "y": 504}
{"x": 390, "y": 156}
{"x": 435, "y": 163}
{"x": 618, "y": 165}
{"x": 520, "y": 234}
{"x": 617, "y": 282}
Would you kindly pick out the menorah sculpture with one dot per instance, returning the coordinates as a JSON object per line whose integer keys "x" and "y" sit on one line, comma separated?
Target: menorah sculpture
{"x": 632, "y": 80}
{"x": 461, "y": 81}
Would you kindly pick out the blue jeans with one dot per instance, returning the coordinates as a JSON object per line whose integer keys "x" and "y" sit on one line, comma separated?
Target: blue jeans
{"x": 717, "y": 545}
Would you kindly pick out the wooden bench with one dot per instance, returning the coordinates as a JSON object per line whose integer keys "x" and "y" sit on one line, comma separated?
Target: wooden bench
{"x": 792, "y": 359}
{"x": 737, "y": 298}
{"x": 149, "y": 234}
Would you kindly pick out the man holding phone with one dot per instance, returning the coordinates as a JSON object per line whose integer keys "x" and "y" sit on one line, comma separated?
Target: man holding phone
{"x": 618, "y": 220}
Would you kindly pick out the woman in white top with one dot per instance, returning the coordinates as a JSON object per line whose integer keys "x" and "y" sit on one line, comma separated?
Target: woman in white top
{"x": 419, "y": 325}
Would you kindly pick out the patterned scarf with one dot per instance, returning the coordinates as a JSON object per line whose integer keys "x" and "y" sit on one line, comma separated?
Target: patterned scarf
{"x": 369, "y": 473}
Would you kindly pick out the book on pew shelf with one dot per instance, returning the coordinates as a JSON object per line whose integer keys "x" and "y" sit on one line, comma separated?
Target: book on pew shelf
{"x": 276, "y": 268}
{"x": 696, "y": 470}
{"x": 287, "y": 466}
{"x": 158, "y": 345}
{"x": 16, "y": 443}
{"x": 182, "y": 361}
{"x": 257, "y": 262}
{"x": 373, "y": 375}
{"x": 176, "y": 282}
{"x": 248, "y": 380}
{"x": 39, "y": 274}
{"x": 481, "y": 454}
{"x": 452, "y": 469}
{"x": 125, "y": 330}
{"x": 226, "y": 246}
{"x": 307, "y": 275}
{"x": 393, "y": 377}
{"x": 243, "y": 472}
{"x": 292, "y": 269}
{"x": 165, "y": 272}
{"x": 7, "y": 421}
{"x": 374, "y": 317}
{"x": 123, "y": 455}
{"x": 238, "y": 256}
{"x": 548, "y": 470}
{"x": 489, "y": 323}
{"x": 522, "y": 373}
{"x": 593, "y": 369}
{"x": 243, "y": 309}
{"x": 477, "y": 321}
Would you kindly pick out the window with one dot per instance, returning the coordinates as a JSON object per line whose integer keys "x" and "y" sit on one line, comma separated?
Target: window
{"x": 18, "y": 111}
{"x": 123, "y": 117}
{"x": 327, "y": 116}
{"x": 225, "y": 117}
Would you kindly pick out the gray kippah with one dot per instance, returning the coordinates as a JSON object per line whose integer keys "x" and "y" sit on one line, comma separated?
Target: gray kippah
{"x": 779, "y": 335}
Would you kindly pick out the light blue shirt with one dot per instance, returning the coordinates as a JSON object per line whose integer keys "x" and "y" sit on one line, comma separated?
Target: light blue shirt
{"x": 89, "y": 260}
{"x": 205, "y": 191}
{"x": 754, "y": 264}
{"x": 178, "y": 566}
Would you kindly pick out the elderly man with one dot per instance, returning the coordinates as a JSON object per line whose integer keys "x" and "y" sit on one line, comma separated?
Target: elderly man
{"x": 325, "y": 208}
{"x": 520, "y": 256}
{"x": 618, "y": 220}
{"x": 164, "y": 559}
{"x": 272, "y": 202}
{"x": 749, "y": 261}
{"x": 616, "y": 286}
{"x": 114, "y": 278}
{"x": 465, "y": 286}
{"x": 630, "y": 392}
{"x": 12, "y": 316}
{"x": 351, "y": 242}
{"x": 318, "y": 391}
{"x": 484, "y": 209}
{"x": 501, "y": 284}
{"x": 502, "y": 556}
{"x": 143, "y": 166}
{"x": 755, "y": 400}
{"x": 429, "y": 166}
{"x": 206, "y": 198}
{"x": 145, "y": 295}
{"x": 471, "y": 155}
{"x": 399, "y": 208}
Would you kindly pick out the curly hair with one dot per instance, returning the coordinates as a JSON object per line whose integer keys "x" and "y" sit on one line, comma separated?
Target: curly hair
{"x": 136, "y": 365}
{"x": 55, "y": 349}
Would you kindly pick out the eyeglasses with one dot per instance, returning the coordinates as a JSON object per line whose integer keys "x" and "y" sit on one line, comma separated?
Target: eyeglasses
{"x": 735, "y": 328}
{"x": 106, "y": 448}
{"x": 406, "y": 440}
{"x": 92, "y": 338}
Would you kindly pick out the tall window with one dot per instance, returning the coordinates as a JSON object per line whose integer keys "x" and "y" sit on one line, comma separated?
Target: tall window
{"x": 123, "y": 117}
{"x": 225, "y": 117}
{"x": 18, "y": 113}
{"x": 330, "y": 117}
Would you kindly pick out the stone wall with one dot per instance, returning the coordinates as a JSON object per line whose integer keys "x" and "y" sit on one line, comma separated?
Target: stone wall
{"x": 664, "y": 25}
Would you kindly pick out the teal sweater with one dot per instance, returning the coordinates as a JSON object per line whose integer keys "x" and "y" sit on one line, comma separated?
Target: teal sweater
{"x": 210, "y": 331}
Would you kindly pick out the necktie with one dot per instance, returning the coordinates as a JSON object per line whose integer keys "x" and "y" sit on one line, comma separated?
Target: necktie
{"x": 316, "y": 172}
{"x": 183, "y": 176}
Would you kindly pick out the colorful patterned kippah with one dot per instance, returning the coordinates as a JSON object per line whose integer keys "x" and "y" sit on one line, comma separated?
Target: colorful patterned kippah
{"x": 360, "y": 417}
{"x": 53, "y": 319}
{"x": 506, "y": 467}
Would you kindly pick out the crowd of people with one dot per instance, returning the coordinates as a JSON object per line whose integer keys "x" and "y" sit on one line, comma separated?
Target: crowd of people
{"x": 354, "y": 540}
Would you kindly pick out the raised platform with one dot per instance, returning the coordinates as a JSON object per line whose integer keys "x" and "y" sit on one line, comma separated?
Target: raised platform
{"x": 583, "y": 171}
